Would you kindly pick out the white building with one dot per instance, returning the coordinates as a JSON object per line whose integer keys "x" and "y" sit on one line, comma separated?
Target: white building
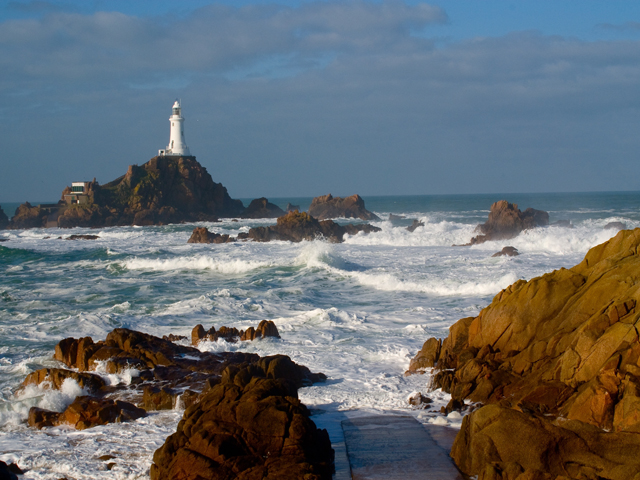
{"x": 177, "y": 145}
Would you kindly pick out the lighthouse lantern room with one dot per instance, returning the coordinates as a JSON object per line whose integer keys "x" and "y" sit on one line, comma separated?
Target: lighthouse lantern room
{"x": 177, "y": 145}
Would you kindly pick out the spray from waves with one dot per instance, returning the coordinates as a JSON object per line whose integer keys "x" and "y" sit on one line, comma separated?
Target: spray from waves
{"x": 200, "y": 262}
{"x": 15, "y": 410}
{"x": 433, "y": 234}
{"x": 321, "y": 255}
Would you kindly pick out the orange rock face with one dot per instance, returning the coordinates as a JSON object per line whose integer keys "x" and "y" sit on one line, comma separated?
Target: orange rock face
{"x": 563, "y": 345}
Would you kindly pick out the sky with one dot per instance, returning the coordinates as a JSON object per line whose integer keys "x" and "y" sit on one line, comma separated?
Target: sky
{"x": 304, "y": 98}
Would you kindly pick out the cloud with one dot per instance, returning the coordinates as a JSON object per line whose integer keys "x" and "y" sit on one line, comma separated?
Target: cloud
{"x": 329, "y": 96}
{"x": 624, "y": 27}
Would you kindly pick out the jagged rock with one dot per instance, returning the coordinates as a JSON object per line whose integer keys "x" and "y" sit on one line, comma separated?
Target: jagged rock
{"x": 28, "y": 216}
{"x": 427, "y": 357}
{"x": 55, "y": 377}
{"x": 82, "y": 237}
{"x": 507, "y": 251}
{"x": 561, "y": 346}
{"x": 418, "y": 399}
{"x": 203, "y": 235}
{"x": 266, "y": 328}
{"x": 507, "y": 221}
{"x": 159, "y": 398}
{"x": 327, "y": 207}
{"x": 4, "y": 220}
{"x": 298, "y": 226}
{"x": 262, "y": 208}
{"x": 292, "y": 208}
{"x": 615, "y": 226}
{"x": 251, "y": 425}
{"x": 174, "y": 338}
{"x": 414, "y": 225}
{"x": 10, "y": 471}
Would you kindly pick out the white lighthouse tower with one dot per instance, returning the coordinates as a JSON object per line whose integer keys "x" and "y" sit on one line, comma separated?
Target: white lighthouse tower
{"x": 177, "y": 145}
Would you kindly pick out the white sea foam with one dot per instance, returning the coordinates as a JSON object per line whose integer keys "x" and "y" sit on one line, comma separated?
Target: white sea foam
{"x": 201, "y": 262}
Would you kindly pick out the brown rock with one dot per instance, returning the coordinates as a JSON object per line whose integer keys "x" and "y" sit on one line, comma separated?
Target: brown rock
{"x": 507, "y": 221}
{"x": 156, "y": 398}
{"x": 203, "y": 235}
{"x": 56, "y": 377}
{"x": 327, "y": 207}
{"x": 40, "y": 418}
{"x": 298, "y": 226}
{"x": 255, "y": 427}
{"x": 87, "y": 412}
{"x": 427, "y": 357}
{"x": 28, "y": 216}
{"x": 262, "y": 208}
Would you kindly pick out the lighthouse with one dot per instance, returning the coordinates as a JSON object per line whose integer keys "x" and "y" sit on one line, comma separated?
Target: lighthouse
{"x": 177, "y": 145}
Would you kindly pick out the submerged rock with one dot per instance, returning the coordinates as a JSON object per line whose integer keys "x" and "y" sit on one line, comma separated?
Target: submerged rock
{"x": 327, "y": 207}
{"x": 507, "y": 251}
{"x": 298, "y": 226}
{"x": 82, "y": 237}
{"x": 507, "y": 221}
{"x": 203, "y": 235}
{"x": 262, "y": 208}
{"x": 563, "y": 351}
{"x": 414, "y": 225}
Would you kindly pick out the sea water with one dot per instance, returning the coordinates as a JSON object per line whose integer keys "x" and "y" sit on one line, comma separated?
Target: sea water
{"x": 356, "y": 311}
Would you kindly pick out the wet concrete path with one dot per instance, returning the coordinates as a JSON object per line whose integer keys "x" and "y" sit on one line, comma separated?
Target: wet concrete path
{"x": 398, "y": 447}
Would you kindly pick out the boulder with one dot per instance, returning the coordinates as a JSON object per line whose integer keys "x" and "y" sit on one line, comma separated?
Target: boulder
{"x": 55, "y": 377}
{"x": 507, "y": 221}
{"x": 4, "y": 220}
{"x": 298, "y": 226}
{"x": 266, "y": 328}
{"x": 563, "y": 347}
{"x": 507, "y": 252}
{"x": 327, "y": 207}
{"x": 203, "y": 235}
{"x": 262, "y": 208}
{"x": 251, "y": 425}
{"x": 10, "y": 471}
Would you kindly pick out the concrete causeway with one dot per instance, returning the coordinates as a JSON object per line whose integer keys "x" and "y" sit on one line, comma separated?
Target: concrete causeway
{"x": 398, "y": 447}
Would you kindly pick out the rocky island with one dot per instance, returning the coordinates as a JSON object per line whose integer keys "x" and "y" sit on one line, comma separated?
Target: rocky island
{"x": 166, "y": 189}
{"x": 554, "y": 366}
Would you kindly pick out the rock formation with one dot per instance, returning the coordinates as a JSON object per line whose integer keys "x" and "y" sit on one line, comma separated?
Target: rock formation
{"x": 4, "y": 220}
{"x": 416, "y": 223}
{"x": 615, "y": 226}
{"x": 292, "y": 208}
{"x": 203, "y": 235}
{"x": 266, "y": 328}
{"x": 327, "y": 207}
{"x": 28, "y": 216}
{"x": 507, "y": 221}
{"x": 262, "y": 208}
{"x": 556, "y": 361}
{"x": 250, "y": 425}
{"x": 298, "y": 226}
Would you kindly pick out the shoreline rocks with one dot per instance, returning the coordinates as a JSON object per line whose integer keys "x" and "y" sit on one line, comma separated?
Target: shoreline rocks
{"x": 328, "y": 207}
{"x": 506, "y": 221}
{"x": 203, "y": 235}
{"x": 262, "y": 208}
{"x": 507, "y": 252}
{"x": 557, "y": 357}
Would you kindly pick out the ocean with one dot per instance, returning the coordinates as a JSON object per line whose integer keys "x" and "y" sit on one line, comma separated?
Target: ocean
{"x": 356, "y": 311}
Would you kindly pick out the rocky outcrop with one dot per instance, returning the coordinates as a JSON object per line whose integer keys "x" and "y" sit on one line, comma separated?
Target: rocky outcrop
{"x": 28, "y": 216}
{"x": 203, "y": 235}
{"x": 169, "y": 375}
{"x": 557, "y": 361}
{"x": 250, "y": 425}
{"x": 262, "y": 208}
{"x": 4, "y": 220}
{"x": 327, "y": 207}
{"x": 507, "y": 252}
{"x": 266, "y": 328}
{"x": 298, "y": 226}
{"x": 82, "y": 237}
{"x": 507, "y": 221}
